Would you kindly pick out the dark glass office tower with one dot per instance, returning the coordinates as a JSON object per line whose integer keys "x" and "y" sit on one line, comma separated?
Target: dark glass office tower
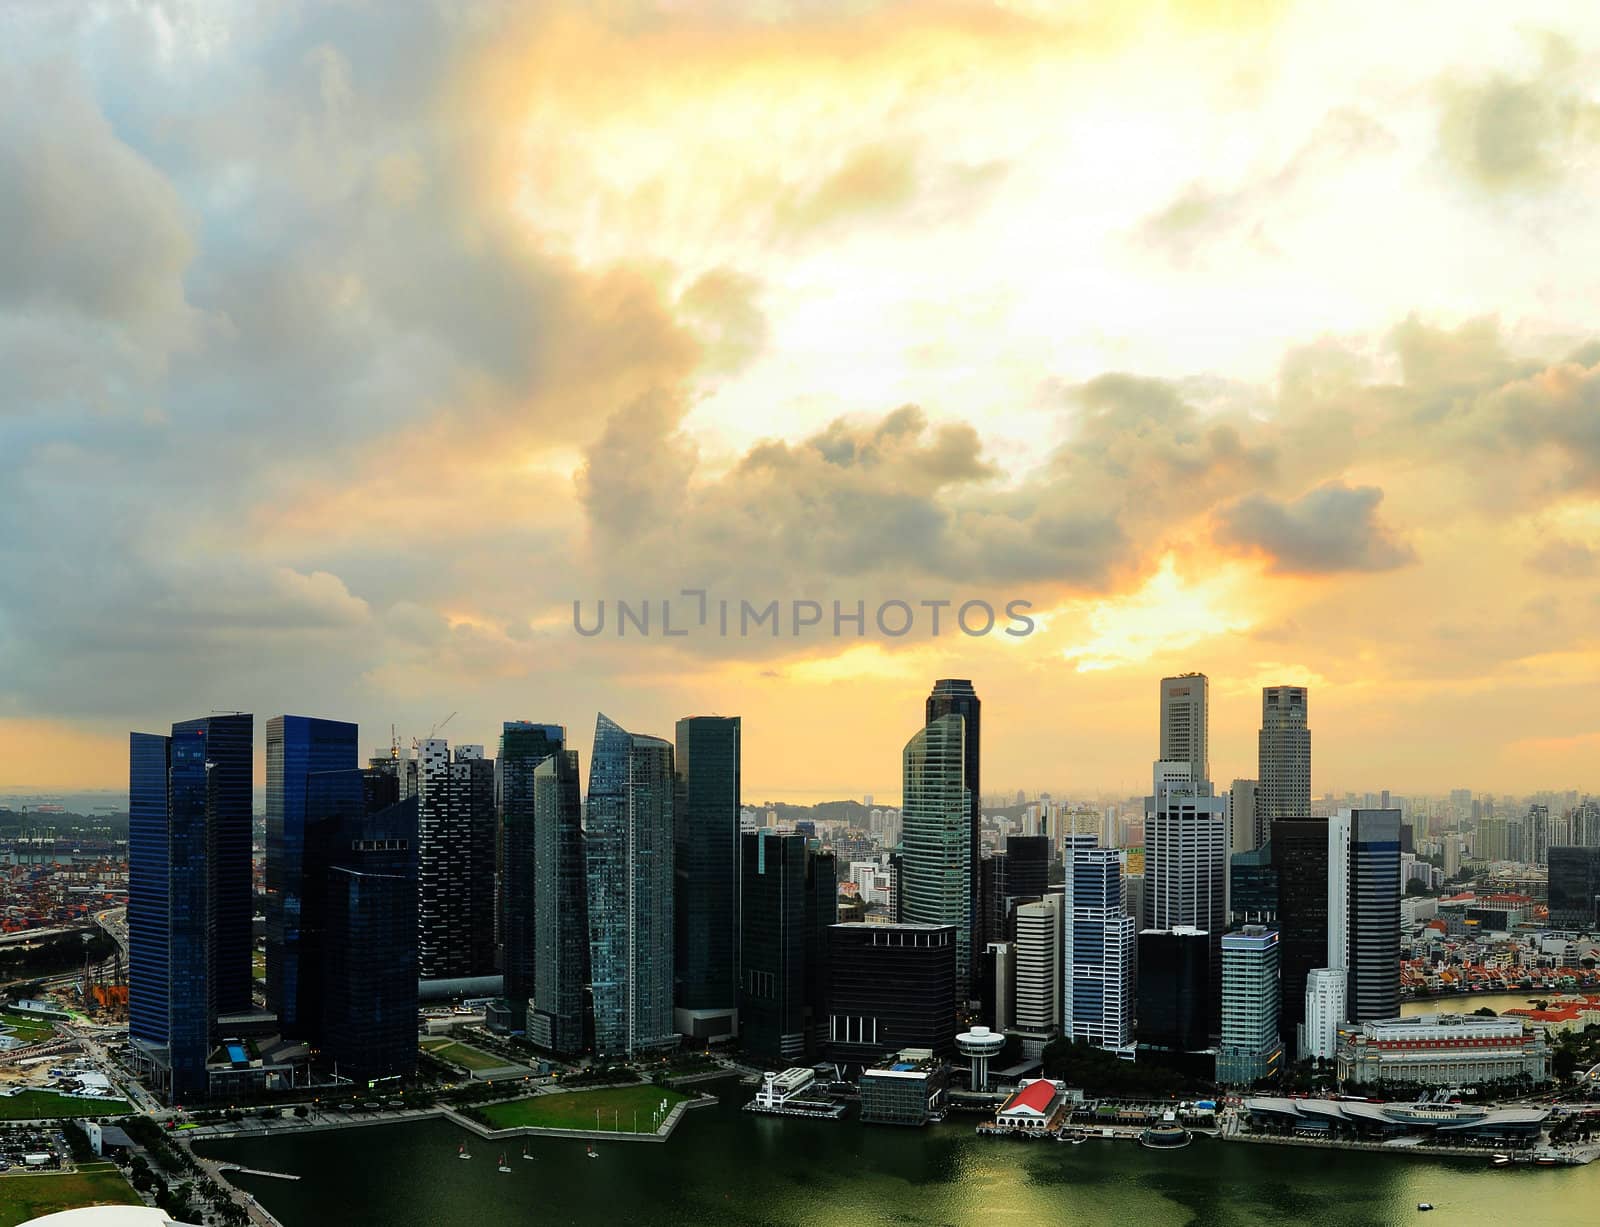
{"x": 472, "y": 797}
{"x": 523, "y": 747}
{"x": 297, "y": 746}
{"x": 1373, "y": 900}
{"x": 1252, "y": 887}
{"x": 822, "y": 913}
{"x": 992, "y": 897}
{"x": 148, "y": 946}
{"x": 360, "y": 907}
{"x": 1574, "y": 887}
{"x": 889, "y": 987}
{"x": 772, "y": 972}
{"x": 1027, "y": 865}
{"x": 561, "y": 908}
{"x": 192, "y": 935}
{"x": 455, "y": 859}
{"x": 629, "y": 853}
{"x": 1300, "y": 860}
{"x": 706, "y": 876}
{"x": 1175, "y": 1005}
{"x": 956, "y": 696}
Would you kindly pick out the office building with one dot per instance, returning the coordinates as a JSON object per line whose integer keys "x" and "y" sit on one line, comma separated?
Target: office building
{"x": 1252, "y": 887}
{"x": 455, "y": 859}
{"x": 956, "y": 697}
{"x": 629, "y": 853}
{"x": 190, "y": 897}
{"x": 1246, "y": 831}
{"x": 1036, "y": 1014}
{"x": 789, "y": 893}
{"x": 561, "y": 930}
{"x": 707, "y": 875}
{"x": 472, "y": 798}
{"x": 1445, "y": 1050}
{"x": 524, "y": 747}
{"x": 1185, "y": 724}
{"x": 1283, "y": 789}
{"x": 1364, "y": 910}
{"x": 1300, "y": 860}
{"x": 1318, "y": 1035}
{"x": 1027, "y": 865}
{"x": 1251, "y": 1047}
{"x": 1574, "y": 888}
{"x": 297, "y": 747}
{"x": 1098, "y": 940}
{"x": 890, "y": 986}
{"x": 359, "y": 889}
{"x": 1186, "y": 870}
{"x": 936, "y": 884}
{"x": 907, "y": 1088}
{"x": 1175, "y": 998}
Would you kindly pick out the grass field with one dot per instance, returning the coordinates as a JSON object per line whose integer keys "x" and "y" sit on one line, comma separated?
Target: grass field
{"x": 576, "y": 1110}
{"x": 26, "y": 1026}
{"x": 27, "y": 1197}
{"x": 467, "y": 1058}
{"x": 43, "y": 1105}
{"x": 258, "y": 964}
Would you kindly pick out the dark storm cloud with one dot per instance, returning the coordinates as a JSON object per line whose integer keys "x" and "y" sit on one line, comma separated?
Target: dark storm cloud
{"x": 1331, "y": 529}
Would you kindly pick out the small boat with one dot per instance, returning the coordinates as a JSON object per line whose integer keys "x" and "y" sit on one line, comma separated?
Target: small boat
{"x": 592, "y": 1153}
{"x": 462, "y": 1152}
{"x": 503, "y": 1166}
{"x": 525, "y": 1153}
{"x": 1499, "y": 1160}
{"x": 1079, "y": 1141}
{"x": 1424, "y": 1205}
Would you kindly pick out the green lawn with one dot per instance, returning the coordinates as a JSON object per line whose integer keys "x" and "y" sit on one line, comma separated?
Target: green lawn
{"x": 467, "y": 1058}
{"x": 28, "y": 1027}
{"x": 41, "y": 1105}
{"x": 576, "y": 1110}
{"x": 27, "y": 1197}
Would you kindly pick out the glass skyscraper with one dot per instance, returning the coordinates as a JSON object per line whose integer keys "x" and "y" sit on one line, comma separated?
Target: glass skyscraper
{"x": 189, "y": 892}
{"x": 1099, "y": 942}
{"x": 706, "y": 876}
{"x": 956, "y": 696}
{"x": 560, "y": 908}
{"x": 523, "y": 747}
{"x": 936, "y": 885}
{"x": 455, "y": 860}
{"x": 297, "y": 746}
{"x": 629, "y": 854}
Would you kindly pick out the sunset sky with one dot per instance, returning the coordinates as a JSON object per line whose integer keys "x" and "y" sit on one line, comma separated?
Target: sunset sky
{"x": 347, "y": 344}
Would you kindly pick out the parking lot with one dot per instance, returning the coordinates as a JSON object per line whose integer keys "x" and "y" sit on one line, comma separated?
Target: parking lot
{"x": 32, "y": 1148}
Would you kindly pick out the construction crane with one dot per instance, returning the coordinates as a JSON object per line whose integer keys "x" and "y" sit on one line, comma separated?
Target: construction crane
{"x": 416, "y": 742}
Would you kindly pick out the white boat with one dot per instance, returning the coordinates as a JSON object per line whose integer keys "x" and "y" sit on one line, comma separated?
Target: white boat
{"x": 525, "y": 1153}
{"x": 592, "y": 1153}
{"x": 503, "y": 1166}
{"x": 462, "y": 1152}
{"x": 1424, "y": 1205}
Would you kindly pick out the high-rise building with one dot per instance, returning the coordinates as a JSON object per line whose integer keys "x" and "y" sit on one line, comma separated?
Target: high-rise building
{"x": 956, "y": 696}
{"x": 1538, "y": 835}
{"x": 1364, "y": 910}
{"x": 1027, "y": 861}
{"x": 629, "y": 850}
{"x": 1252, "y": 887}
{"x": 359, "y": 934}
{"x": 1574, "y": 888}
{"x": 472, "y": 800}
{"x": 524, "y": 745}
{"x": 560, "y": 934}
{"x": 1283, "y": 790}
{"x": 1251, "y": 1047}
{"x": 1300, "y": 860}
{"x": 890, "y": 987}
{"x": 936, "y": 884}
{"x": 1323, "y": 1011}
{"x": 1036, "y": 969}
{"x": 1175, "y": 995}
{"x": 1186, "y": 869}
{"x": 1185, "y": 724}
{"x": 1245, "y": 832}
{"x": 297, "y": 747}
{"x": 707, "y": 876}
{"x": 790, "y": 900}
{"x": 455, "y": 861}
{"x": 1098, "y": 937}
{"x": 190, "y": 897}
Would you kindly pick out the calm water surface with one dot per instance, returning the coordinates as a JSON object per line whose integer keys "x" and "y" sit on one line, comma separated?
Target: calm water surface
{"x": 724, "y": 1166}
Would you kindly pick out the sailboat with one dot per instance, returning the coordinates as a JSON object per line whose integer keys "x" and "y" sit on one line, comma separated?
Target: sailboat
{"x": 525, "y": 1153}
{"x": 592, "y": 1153}
{"x": 504, "y": 1166}
{"x": 462, "y": 1152}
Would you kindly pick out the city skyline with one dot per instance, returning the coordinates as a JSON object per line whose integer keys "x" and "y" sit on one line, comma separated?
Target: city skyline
{"x": 1190, "y": 325}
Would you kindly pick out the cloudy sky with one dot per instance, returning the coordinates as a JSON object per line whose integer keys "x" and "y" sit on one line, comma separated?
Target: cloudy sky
{"x": 346, "y": 345}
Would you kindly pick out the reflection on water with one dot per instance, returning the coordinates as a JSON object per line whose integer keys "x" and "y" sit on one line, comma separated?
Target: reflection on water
{"x": 724, "y": 1166}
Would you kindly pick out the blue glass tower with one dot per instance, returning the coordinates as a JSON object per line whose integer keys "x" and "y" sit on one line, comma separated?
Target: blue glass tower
{"x": 147, "y": 888}
{"x": 629, "y": 855}
{"x": 297, "y": 746}
{"x": 561, "y": 908}
{"x": 707, "y": 878}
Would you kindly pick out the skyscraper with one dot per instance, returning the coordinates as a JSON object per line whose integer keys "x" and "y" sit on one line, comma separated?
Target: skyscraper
{"x": 936, "y": 883}
{"x": 956, "y": 696}
{"x": 1099, "y": 950}
{"x": 359, "y": 889}
{"x": 707, "y": 876}
{"x": 1300, "y": 860}
{"x": 890, "y": 987}
{"x": 1175, "y": 989}
{"x": 524, "y": 745}
{"x": 455, "y": 861}
{"x": 297, "y": 747}
{"x": 1364, "y": 910}
{"x": 789, "y": 893}
{"x": 189, "y": 892}
{"x": 629, "y": 854}
{"x": 560, "y": 930}
{"x": 1185, "y": 724}
{"x": 1283, "y": 791}
{"x": 1245, "y": 831}
{"x": 1037, "y": 970}
{"x": 1251, "y": 1048}
{"x": 1186, "y": 868}
{"x": 1574, "y": 888}
{"x": 472, "y": 805}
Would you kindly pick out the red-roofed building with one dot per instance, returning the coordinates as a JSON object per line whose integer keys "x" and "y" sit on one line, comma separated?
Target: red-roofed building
{"x": 1036, "y": 1106}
